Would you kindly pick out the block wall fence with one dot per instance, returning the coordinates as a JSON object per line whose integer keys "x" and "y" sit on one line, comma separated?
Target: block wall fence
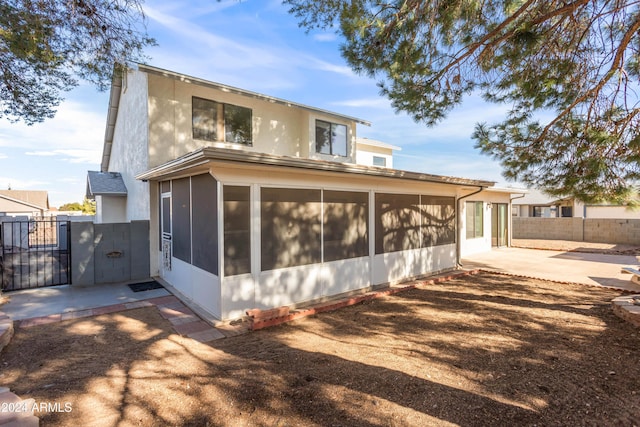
{"x": 595, "y": 230}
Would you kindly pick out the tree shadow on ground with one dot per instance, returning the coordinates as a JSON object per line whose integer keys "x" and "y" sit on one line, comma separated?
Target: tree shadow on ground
{"x": 481, "y": 350}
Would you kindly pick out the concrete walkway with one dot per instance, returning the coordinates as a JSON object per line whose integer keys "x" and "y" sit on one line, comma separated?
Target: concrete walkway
{"x": 29, "y": 303}
{"x": 587, "y": 268}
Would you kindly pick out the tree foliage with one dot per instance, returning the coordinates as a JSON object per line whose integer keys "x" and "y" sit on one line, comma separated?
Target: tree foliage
{"x": 567, "y": 69}
{"x": 47, "y": 46}
{"x": 87, "y": 207}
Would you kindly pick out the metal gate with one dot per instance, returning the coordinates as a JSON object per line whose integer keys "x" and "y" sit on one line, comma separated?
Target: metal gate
{"x": 34, "y": 253}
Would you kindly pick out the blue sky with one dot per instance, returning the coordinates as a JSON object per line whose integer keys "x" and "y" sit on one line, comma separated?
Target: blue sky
{"x": 254, "y": 45}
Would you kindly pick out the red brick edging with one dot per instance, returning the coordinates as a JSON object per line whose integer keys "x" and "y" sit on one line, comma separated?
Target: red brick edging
{"x": 260, "y": 319}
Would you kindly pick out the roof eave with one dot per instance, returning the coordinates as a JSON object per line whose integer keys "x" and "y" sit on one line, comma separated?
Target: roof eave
{"x": 112, "y": 117}
{"x": 230, "y": 89}
{"x": 204, "y": 155}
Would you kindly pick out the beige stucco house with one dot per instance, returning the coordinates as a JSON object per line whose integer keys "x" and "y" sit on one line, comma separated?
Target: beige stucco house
{"x": 538, "y": 204}
{"x": 258, "y": 202}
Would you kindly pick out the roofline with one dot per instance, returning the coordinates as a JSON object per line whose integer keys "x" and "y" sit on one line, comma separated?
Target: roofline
{"x": 375, "y": 143}
{"x": 206, "y": 154}
{"x": 230, "y": 89}
{"x": 508, "y": 190}
{"x": 22, "y": 202}
{"x": 112, "y": 117}
{"x": 116, "y": 90}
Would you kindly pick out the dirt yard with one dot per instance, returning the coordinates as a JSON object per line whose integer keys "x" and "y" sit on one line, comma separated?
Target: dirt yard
{"x": 479, "y": 350}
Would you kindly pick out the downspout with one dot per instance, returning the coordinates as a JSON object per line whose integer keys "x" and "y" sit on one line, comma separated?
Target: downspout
{"x": 511, "y": 199}
{"x": 458, "y": 236}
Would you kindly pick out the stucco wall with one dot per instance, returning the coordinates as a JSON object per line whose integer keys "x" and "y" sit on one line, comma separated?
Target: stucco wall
{"x": 597, "y": 230}
{"x": 277, "y": 129}
{"x": 129, "y": 154}
{"x": 365, "y": 154}
{"x": 480, "y": 244}
{"x": 612, "y": 212}
{"x": 111, "y": 209}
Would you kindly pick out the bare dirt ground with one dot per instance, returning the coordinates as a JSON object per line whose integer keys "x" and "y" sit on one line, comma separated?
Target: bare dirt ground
{"x": 478, "y": 350}
{"x": 571, "y": 246}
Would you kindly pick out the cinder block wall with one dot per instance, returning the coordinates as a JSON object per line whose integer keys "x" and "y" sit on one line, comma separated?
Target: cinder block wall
{"x": 548, "y": 228}
{"x": 614, "y": 231}
{"x": 620, "y": 231}
{"x": 107, "y": 253}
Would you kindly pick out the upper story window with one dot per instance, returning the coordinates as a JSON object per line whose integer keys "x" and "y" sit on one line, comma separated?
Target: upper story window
{"x": 331, "y": 138}
{"x": 215, "y": 121}
{"x": 379, "y": 161}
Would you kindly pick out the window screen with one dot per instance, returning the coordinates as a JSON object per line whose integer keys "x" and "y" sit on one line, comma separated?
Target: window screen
{"x": 181, "y": 224}
{"x": 397, "y": 222}
{"x": 438, "y": 220}
{"x": 237, "y": 237}
{"x": 346, "y": 224}
{"x": 290, "y": 227}
{"x": 204, "y": 192}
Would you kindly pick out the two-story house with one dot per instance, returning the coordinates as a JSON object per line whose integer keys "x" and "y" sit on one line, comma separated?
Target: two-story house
{"x": 258, "y": 202}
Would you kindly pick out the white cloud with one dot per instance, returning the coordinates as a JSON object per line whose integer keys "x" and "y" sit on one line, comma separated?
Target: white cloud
{"x": 378, "y": 102}
{"x": 75, "y": 132}
{"x": 3, "y": 156}
{"x": 17, "y": 183}
{"x": 71, "y": 155}
{"x": 325, "y": 37}
{"x": 41, "y": 153}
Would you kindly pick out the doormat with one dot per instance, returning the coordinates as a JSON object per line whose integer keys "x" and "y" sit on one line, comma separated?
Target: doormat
{"x": 145, "y": 286}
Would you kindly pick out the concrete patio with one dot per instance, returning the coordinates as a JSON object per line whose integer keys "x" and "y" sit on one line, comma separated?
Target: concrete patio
{"x": 576, "y": 267}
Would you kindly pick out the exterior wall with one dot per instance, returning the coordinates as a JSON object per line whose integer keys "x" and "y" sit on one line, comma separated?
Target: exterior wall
{"x": 611, "y": 212}
{"x": 620, "y": 231}
{"x": 277, "y": 129}
{"x": 111, "y": 209}
{"x": 597, "y": 230}
{"x": 106, "y": 253}
{"x": 13, "y": 208}
{"x": 229, "y": 297}
{"x": 365, "y": 154}
{"x": 130, "y": 150}
{"x": 481, "y": 244}
{"x": 311, "y": 138}
{"x": 548, "y": 228}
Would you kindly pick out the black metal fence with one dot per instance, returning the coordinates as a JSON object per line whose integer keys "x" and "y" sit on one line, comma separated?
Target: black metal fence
{"x": 34, "y": 253}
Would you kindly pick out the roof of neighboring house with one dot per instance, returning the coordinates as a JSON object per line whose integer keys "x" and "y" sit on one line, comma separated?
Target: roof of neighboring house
{"x": 116, "y": 87}
{"x": 536, "y": 197}
{"x": 509, "y": 190}
{"x": 105, "y": 184}
{"x": 375, "y": 143}
{"x": 206, "y": 154}
{"x": 33, "y": 198}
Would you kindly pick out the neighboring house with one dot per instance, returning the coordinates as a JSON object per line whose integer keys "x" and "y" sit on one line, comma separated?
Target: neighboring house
{"x": 23, "y": 203}
{"x": 538, "y": 204}
{"x": 370, "y": 152}
{"x": 110, "y": 193}
{"x": 258, "y": 202}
